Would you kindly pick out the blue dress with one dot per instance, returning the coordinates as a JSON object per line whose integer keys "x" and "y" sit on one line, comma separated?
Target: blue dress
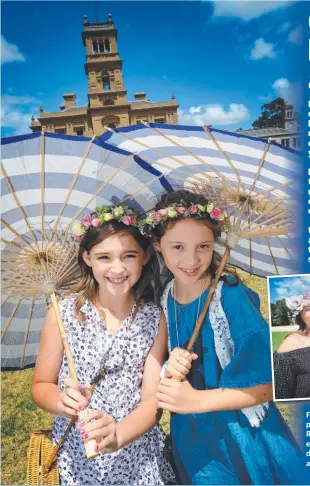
{"x": 222, "y": 447}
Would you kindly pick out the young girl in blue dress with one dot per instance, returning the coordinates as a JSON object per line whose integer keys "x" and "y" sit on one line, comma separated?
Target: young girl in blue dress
{"x": 112, "y": 322}
{"x": 224, "y": 427}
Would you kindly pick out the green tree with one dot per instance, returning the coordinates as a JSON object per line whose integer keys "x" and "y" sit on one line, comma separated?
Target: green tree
{"x": 273, "y": 115}
{"x": 279, "y": 314}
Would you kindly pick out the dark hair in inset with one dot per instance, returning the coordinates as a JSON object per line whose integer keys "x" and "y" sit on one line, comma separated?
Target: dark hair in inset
{"x": 184, "y": 196}
{"x": 300, "y": 322}
{"x": 148, "y": 286}
{"x": 302, "y": 326}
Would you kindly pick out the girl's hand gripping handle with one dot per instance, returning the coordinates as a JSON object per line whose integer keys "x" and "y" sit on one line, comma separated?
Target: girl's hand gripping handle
{"x": 179, "y": 363}
{"x": 74, "y": 400}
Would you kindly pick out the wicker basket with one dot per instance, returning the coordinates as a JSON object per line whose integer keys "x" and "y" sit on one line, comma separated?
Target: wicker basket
{"x": 39, "y": 451}
{"x": 42, "y": 467}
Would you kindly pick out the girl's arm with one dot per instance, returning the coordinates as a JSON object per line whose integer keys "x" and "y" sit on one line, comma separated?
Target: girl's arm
{"x": 112, "y": 436}
{"x": 181, "y": 397}
{"x": 45, "y": 390}
{"x": 146, "y": 414}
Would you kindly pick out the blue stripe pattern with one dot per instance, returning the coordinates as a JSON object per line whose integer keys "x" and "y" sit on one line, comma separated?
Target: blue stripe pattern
{"x": 281, "y": 166}
{"x": 21, "y": 157}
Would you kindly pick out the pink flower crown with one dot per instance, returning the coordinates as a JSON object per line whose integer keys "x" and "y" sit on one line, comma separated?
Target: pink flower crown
{"x": 178, "y": 211}
{"x": 297, "y": 302}
{"x": 102, "y": 215}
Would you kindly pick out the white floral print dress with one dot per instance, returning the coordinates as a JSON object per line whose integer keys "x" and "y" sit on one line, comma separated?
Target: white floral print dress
{"x": 118, "y": 393}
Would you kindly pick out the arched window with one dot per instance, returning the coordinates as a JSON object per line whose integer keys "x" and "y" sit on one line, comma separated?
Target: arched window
{"x": 110, "y": 121}
{"x": 95, "y": 47}
{"x": 108, "y": 101}
{"x": 101, "y": 45}
{"x": 106, "y": 82}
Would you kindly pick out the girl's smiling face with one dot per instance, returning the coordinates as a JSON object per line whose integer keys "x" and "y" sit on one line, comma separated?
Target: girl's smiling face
{"x": 117, "y": 263}
{"x": 187, "y": 248}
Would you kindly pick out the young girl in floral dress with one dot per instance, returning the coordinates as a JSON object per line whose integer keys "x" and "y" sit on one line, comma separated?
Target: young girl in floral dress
{"x": 111, "y": 322}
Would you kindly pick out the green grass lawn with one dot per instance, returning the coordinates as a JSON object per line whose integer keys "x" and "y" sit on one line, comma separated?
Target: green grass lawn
{"x": 20, "y": 416}
{"x": 277, "y": 338}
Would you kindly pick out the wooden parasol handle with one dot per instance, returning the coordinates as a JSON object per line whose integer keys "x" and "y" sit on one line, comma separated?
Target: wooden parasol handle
{"x": 64, "y": 338}
{"x": 51, "y": 459}
{"x": 208, "y": 301}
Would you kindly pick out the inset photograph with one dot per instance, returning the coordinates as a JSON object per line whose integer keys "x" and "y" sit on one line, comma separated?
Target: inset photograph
{"x": 289, "y": 316}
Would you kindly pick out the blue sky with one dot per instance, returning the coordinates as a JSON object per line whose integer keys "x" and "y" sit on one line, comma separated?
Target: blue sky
{"x": 282, "y": 287}
{"x": 222, "y": 60}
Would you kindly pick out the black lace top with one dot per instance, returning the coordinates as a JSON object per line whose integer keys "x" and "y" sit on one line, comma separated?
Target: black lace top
{"x": 292, "y": 373}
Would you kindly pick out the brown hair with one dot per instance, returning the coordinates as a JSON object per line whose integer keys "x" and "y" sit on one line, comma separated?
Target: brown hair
{"x": 302, "y": 326}
{"x": 148, "y": 285}
{"x": 188, "y": 197}
{"x": 301, "y": 323}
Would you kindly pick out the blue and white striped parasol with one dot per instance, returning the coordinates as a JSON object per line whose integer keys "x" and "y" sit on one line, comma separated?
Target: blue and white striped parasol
{"x": 48, "y": 181}
{"x": 257, "y": 182}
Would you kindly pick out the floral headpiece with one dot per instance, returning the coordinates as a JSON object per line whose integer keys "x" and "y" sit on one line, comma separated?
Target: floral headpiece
{"x": 297, "y": 302}
{"x": 102, "y": 215}
{"x": 181, "y": 210}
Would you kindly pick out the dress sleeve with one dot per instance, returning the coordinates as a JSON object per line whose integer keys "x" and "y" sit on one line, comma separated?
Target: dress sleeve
{"x": 251, "y": 361}
{"x": 284, "y": 375}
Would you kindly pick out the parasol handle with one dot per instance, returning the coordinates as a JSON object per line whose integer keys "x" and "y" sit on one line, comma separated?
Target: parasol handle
{"x": 208, "y": 301}
{"x": 64, "y": 338}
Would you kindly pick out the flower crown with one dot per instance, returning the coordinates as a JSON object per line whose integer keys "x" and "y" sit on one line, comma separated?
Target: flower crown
{"x": 296, "y": 303}
{"x": 178, "y": 211}
{"x": 102, "y": 215}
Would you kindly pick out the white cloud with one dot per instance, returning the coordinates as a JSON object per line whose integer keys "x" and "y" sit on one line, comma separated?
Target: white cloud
{"x": 17, "y": 111}
{"x": 214, "y": 115}
{"x": 247, "y": 10}
{"x": 289, "y": 91}
{"x": 282, "y": 292}
{"x": 195, "y": 109}
{"x": 295, "y": 36}
{"x": 282, "y": 87}
{"x": 10, "y": 52}
{"x": 262, "y": 49}
{"x": 292, "y": 286}
{"x": 284, "y": 27}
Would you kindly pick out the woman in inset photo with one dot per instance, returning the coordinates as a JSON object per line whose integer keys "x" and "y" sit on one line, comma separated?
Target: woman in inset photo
{"x": 292, "y": 359}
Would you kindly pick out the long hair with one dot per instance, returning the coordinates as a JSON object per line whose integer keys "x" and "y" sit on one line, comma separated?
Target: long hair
{"x": 301, "y": 323}
{"x": 302, "y": 326}
{"x": 148, "y": 286}
{"x": 188, "y": 197}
